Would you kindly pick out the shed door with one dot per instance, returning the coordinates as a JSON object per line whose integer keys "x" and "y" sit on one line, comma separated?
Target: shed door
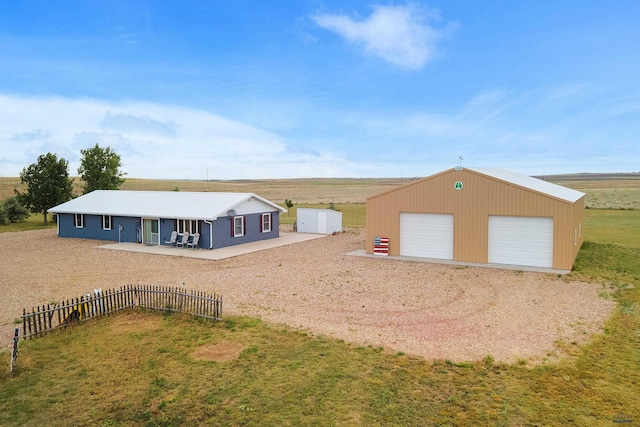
{"x": 521, "y": 241}
{"x": 426, "y": 235}
{"x": 322, "y": 222}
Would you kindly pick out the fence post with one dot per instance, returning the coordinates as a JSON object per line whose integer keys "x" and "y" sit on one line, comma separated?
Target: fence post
{"x": 24, "y": 322}
{"x": 14, "y": 350}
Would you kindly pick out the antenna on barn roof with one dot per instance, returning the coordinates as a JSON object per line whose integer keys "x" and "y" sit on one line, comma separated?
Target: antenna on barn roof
{"x": 459, "y": 167}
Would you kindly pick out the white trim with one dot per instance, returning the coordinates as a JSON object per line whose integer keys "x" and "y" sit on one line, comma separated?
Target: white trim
{"x": 210, "y": 232}
{"x": 189, "y": 225}
{"x": 235, "y": 233}
{"x": 155, "y": 241}
{"x": 262, "y": 226}
{"x": 110, "y": 222}
{"x": 78, "y": 224}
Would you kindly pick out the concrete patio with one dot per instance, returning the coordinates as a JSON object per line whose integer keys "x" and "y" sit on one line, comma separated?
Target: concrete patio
{"x": 215, "y": 254}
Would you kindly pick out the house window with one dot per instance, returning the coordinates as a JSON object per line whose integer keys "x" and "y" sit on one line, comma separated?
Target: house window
{"x": 265, "y": 225}
{"x": 238, "y": 226}
{"x": 79, "y": 220}
{"x": 187, "y": 225}
{"x": 106, "y": 222}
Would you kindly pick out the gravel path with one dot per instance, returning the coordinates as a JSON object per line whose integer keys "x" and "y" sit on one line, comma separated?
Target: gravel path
{"x": 435, "y": 311}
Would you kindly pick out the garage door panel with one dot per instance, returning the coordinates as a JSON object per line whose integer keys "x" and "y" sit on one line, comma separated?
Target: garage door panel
{"x": 526, "y": 241}
{"x": 426, "y": 235}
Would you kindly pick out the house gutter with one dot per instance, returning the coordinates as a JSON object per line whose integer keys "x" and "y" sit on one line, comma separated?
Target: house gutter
{"x": 210, "y": 232}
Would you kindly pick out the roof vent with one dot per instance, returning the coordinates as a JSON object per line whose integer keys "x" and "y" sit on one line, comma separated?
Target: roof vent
{"x": 231, "y": 212}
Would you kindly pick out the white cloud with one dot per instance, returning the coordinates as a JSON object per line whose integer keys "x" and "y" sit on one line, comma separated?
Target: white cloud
{"x": 32, "y": 135}
{"x": 398, "y": 34}
{"x": 155, "y": 141}
{"x": 131, "y": 123}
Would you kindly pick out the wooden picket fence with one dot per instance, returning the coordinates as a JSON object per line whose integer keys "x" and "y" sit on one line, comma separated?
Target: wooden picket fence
{"x": 43, "y": 319}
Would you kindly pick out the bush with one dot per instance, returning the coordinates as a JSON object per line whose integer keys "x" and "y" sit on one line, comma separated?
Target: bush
{"x": 14, "y": 211}
{"x": 3, "y": 217}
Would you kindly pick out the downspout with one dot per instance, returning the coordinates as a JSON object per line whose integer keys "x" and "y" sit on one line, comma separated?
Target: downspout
{"x": 210, "y": 232}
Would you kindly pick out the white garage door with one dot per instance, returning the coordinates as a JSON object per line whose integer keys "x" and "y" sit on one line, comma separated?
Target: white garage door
{"x": 521, "y": 241}
{"x": 426, "y": 235}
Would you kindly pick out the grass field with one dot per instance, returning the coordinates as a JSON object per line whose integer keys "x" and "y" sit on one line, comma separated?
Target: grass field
{"x": 311, "y": 190}
{"x": 34, "y": 222}
{"x": 347, "y": 194}
{"x": 608, "y": 194}
{"x": 138, "y": 368}
{"x": 601, "y": 193}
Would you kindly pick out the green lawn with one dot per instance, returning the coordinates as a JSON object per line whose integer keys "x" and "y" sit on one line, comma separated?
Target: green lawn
{"x": 34, "y": 222}
{"x": 136, "y": 368}
{"x": 618, "y": 227}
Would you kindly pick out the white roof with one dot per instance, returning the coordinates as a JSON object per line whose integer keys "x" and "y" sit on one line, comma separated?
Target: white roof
{"x": 330, "y": 211}
{"x": 531, "y": 183}
{"x": 160, "y": 204}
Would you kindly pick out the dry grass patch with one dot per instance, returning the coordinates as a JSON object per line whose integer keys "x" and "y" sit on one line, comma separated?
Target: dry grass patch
{"x": 221, "y": 352}
{"x": 135, "y": 322}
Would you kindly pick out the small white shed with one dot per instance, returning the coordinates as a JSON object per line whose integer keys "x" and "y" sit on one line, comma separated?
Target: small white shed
{"x": 322, "y": 221}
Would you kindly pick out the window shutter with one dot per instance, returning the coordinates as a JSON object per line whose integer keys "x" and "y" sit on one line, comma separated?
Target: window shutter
{"x": 261, "y": 223}
{"x": 232, "y": 225}
{"x": 244, "y": 225}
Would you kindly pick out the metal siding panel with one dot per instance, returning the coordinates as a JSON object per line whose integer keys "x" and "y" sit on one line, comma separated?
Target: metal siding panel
{"x": 521, "y": 241}
{"x": 426, "y": 235}
{"x": 335, "y": 222}
{"x": 307, "y": 220}
{"x": 481, "y": 197}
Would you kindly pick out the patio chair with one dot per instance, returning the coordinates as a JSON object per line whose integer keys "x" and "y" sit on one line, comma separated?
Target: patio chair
{"x": 172, "y": 240}
{"x": 183, "y": 242}
{"x": 194, "y": 242}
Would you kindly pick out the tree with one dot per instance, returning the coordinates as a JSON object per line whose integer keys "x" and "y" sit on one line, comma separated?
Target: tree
{"x": 48, "y": 184}
{"x": 100, "y": 169}
{"x": 288, "y": 203}
{"x": 14, "y": 211}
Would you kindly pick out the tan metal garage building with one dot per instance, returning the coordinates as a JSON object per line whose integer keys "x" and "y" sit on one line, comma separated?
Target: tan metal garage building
{"x": 479, "y": 215}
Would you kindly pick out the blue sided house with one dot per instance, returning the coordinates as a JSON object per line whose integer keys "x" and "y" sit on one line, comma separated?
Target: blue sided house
{"x": 203, "y": 219}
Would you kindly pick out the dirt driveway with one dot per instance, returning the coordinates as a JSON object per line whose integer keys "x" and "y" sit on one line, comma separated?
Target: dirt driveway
{"x": 435, "y": 311}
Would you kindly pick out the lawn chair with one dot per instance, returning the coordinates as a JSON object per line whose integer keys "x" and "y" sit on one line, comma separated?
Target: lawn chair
{"x": 183, "y": 242}
{"x": 194, "y": 242}
{"x": 172, "y": 240}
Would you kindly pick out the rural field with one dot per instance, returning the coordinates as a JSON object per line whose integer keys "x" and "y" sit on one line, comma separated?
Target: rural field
{"x": 311, "y": 336}
{"x": 604, "y": 191}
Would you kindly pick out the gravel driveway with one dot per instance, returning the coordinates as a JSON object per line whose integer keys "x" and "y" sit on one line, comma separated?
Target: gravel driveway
{"x": 434, "y": 311}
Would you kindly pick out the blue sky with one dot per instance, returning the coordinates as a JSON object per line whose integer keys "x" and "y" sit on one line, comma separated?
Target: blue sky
{"x": 287, "y": 89}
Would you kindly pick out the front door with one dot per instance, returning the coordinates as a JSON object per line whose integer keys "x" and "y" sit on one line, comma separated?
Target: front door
{"x": 150, "y": 231}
